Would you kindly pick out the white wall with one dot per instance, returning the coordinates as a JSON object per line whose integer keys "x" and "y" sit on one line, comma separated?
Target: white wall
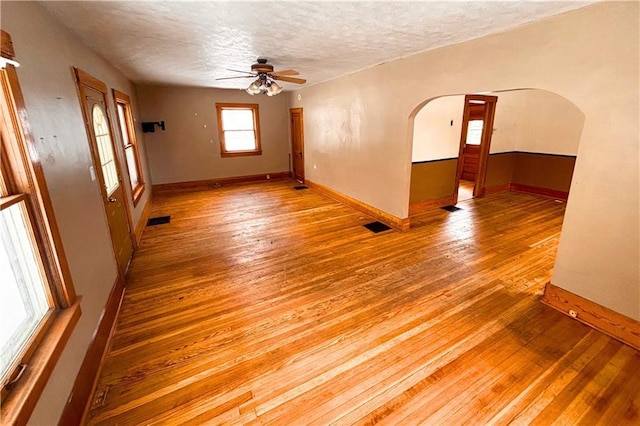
{"x": 189, "y": 148}
{"x": 528, "y": 120}
{"x": 46, "y": 51}
{"x": 549, "y": 123}
{"x": 358, "y": 136}
{"x": 434, "y": 137}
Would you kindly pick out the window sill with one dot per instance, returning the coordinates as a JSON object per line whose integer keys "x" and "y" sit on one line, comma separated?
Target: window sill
{"x": 23, "y": 397}
{"x": 137, "y": 194}
{"x": 240, "y": 153}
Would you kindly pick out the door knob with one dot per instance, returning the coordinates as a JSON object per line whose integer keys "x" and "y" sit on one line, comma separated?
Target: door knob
{"x": 112, "y": 200}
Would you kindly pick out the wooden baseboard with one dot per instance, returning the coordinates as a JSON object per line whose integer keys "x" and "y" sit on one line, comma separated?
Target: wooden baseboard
{"x": 497, "y": 189}
{"x": 393, "y": 221}
{"x": 426, "y": 205}
{"x": 84, "y": 385}
{"x": 142, "y": 222}
{"x": 213, "y": 183}
{"x": 612, "y": 323}
{"x": 560, "y": 195}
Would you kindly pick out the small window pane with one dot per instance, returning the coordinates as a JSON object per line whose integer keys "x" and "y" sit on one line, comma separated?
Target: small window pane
{"x": 474, "y": 132}
{"x": 25, "y": 299}
{"x": 105, "y": 150}
{"x": 131, "y": 166}
{"x": 240, "y": 140}
{"x": 237, "y": 119}
{"x": 123, "y": 125}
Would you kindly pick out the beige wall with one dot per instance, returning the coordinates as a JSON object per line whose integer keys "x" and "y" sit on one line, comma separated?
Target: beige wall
{"x": 189, "y": 148}
{"x": 46, "y": 51}
{"x": 358, "y": 134}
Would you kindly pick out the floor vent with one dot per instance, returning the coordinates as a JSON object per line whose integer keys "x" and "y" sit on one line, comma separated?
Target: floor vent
{"x": 158, "y": 220}
{"x": 377, "y": 227}
{"x": 300, "y": 187}
{"x": 451, "y": 208}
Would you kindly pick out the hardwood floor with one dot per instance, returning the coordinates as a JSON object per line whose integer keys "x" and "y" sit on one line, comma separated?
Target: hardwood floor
{"x": 465, "y": 190}
{"x": 264, "y": 304}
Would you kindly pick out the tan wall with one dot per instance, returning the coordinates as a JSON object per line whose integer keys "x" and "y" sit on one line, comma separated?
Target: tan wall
{"x": 543, "y": 171}
{"x": 432, "y": 180}
{"x": 358, "y": 133}
{"x": 189, "y": 148}
{"x": 500, "y": 169}
{"x": 46, "y": 51}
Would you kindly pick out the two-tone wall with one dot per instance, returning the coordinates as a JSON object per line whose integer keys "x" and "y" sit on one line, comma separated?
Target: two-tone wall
{"x": 534, "y": 144}
{"x": 358, "y": 140}
{"x": 46, "y": 52}
{"x": 189, "y": 149}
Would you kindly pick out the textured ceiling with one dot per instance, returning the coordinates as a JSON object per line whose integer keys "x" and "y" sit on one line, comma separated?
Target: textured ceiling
{"x": 194, "y": 42}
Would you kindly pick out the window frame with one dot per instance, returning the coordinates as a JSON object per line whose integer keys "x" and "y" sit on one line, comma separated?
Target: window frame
{"x": 23, "y": 181}
{"x": 224, "y": 152}
{"x": 123, "y": 99}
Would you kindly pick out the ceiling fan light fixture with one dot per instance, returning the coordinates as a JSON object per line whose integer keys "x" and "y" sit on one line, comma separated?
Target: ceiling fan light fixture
{"x": 254, "y": 88}
{"x": 273, "y": 89}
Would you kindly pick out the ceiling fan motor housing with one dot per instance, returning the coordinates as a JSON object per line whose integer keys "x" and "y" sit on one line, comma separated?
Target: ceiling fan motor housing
{"x": 262, "y": 67}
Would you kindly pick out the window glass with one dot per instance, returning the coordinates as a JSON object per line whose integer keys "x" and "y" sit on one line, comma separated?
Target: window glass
{"x": 237, "y": 119}
{"x": 105, "y": 149}
{"x": 25, "y": 292}
{"x": 123, "y": 125}
{"x": 474, "y": 132}
{"x": 238, "y": 129}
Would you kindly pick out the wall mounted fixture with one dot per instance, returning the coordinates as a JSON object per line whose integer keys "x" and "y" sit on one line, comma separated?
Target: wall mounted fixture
{"x": 149, "y": 127}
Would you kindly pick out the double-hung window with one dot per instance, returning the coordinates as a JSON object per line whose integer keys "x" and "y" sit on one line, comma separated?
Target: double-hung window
{"x": 38, "y": 306}
{"x": 130, "y": 144}
{"x": 238, "y": 129}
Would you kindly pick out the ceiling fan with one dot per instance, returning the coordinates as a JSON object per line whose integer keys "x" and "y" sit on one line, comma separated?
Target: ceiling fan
{"x": 265, "y": 78}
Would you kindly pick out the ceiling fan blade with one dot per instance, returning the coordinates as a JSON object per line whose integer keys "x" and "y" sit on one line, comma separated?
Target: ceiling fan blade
{"x": 244, "y": 72}
{"x": 290, "y": 79}
{"x": 285, "y": 72}
{"x": 240, "y": 76}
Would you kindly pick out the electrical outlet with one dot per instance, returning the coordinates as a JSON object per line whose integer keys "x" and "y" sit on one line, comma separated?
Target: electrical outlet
{"x": 573, "y": 313}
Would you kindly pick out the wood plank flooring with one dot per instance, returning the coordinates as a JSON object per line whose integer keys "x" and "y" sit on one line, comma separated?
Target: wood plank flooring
{"x": 261, "y": 304}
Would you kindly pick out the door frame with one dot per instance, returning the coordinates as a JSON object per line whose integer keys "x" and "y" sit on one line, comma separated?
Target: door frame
{"x": 298, "y": 111}
{"x": 485, "y": 143}
{"x": 84, "y": 79}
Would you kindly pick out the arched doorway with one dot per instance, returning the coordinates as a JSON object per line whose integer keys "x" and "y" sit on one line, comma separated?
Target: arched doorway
{"x": 535, "y": 138}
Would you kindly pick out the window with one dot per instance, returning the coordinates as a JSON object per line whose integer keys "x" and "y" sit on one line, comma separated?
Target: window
{"x": 130, "y": 144}
{"x": 239, "y": 129}
{"x": 38, "y": 306}
{"x": 474, "y": 132}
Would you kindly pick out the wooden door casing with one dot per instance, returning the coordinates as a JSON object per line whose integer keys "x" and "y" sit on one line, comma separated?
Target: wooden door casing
{"x": 476, "y": 107}
{"x": 93, "y": 94}
{"x": 297, "y": 143}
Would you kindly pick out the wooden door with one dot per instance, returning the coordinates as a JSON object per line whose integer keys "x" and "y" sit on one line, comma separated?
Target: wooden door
{"x": 297, "y": 143}
{"x": 471, "y": 150}
{"x": 106, "y": 166}
{"x": 481, "y": 110}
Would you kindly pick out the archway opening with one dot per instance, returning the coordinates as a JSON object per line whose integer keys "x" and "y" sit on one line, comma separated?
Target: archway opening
{"x": 534, "y": 146}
